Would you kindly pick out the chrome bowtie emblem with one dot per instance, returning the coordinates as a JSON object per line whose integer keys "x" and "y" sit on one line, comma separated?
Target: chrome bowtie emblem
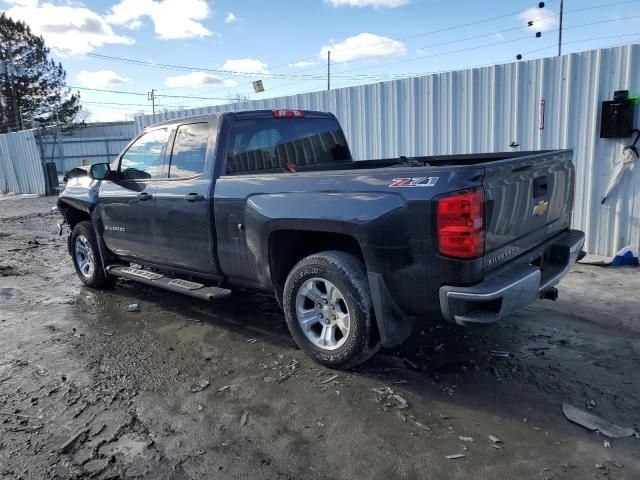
{"x": 540, "y": 208}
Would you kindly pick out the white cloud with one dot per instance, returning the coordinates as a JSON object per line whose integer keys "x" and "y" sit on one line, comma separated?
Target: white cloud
{"x": 246, "y": 65}
{"x": 543, "y": 19}
{"x": 111, "y": 114}
{"x": 134, "y": 25}
{"x": 303, "y": 63}
{"x": 368, "y": 3}
{"x": 230, "y": 18}
{"x": 75, "y": 28}
{"x": 171, "y": 19}
{"x": 100, "y": 78}
{"x": 363, "y": 45}
{"x": 195, "y": 79}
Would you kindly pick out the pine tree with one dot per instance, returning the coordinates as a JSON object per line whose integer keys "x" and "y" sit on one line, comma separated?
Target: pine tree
{"x": 32, "y": 87}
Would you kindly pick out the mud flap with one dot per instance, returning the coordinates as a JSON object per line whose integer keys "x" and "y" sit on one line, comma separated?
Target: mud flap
{"x": 393, "y": 325}
{"x": 105, "y": 258}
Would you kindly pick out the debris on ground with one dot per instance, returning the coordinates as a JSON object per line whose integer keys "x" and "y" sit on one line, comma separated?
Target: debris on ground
{"x": 594, "y": 423}
{"x": 79, "y": 437}
{"x": 606, "y": 444}
{"x": 465, "y": 439}
{"x": 456, "y": 456}
{"x": 223, "y": 389}
{"x": 199, "y": 386}
{"x": 386, "y": 393}
{"x": 500, "y": 353}
{"x": 330, "y": 379}
{"x": 244, "y": 418}
{"x": 494, "y": 439}
{"x": 422, "y": 426}
{"x": 134, "y": 307}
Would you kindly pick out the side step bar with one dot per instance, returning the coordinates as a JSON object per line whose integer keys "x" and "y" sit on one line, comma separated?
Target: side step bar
{"x": 186, "y": 287}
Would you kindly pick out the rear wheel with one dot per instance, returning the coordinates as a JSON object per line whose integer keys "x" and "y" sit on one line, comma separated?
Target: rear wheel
{"x": 328, "y": 309}
{"x": 86, "y": 257}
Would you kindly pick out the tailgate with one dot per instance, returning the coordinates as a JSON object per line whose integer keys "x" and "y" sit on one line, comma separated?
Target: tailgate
{"x": 528, "y": 200}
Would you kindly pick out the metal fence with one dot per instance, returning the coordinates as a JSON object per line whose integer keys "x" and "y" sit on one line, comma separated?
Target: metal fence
{"x": 538, "y": 104}
{"x": 70, "y": 146}
{"x": 20, "y": 164}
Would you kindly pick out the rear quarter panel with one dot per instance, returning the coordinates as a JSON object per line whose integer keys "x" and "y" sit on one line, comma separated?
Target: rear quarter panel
{"x": 392, "y": 225}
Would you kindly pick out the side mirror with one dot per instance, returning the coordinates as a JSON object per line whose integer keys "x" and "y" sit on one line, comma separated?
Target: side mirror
{"x": 99, "y": 171}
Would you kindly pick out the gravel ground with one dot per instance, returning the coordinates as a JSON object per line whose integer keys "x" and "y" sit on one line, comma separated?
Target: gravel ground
{"x": 183, "y": 389}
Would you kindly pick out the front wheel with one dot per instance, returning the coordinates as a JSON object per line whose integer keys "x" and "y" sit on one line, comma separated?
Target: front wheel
{"x": 328, "y": 309}
{"x": 86, "y": 257}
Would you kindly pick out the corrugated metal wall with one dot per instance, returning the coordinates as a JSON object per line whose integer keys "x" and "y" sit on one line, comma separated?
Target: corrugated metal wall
{"x": 485, "y": 110}
{"x": 20, "y": 165}
{"x": 98, "y": 142}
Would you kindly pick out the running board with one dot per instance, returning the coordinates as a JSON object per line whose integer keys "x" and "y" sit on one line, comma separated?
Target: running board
{"x": 186, "y": 287}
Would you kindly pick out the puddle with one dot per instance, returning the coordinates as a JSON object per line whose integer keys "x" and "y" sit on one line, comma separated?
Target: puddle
{"x": 9, "y": 293}
{"x": 35, "y": 224}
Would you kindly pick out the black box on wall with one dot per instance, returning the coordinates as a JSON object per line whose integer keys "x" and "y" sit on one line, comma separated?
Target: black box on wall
{"x": 616, "y": 119}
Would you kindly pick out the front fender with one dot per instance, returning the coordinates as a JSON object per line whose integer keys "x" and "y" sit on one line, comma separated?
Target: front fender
{"x": 81, "y": 194}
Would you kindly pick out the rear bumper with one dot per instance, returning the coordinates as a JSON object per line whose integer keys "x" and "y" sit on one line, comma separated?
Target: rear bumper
{"x": 514, "y": 286}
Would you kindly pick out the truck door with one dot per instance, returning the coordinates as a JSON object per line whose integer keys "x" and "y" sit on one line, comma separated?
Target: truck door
{"x": 127, "y": 205}
{"x": 184, "y": 210}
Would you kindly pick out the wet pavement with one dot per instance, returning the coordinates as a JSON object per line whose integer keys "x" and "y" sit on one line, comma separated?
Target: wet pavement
{"x": 184, "y": 389}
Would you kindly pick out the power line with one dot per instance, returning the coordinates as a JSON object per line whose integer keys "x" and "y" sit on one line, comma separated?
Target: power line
{"x": 143, "y": 105}
{"x": 451, "y": 52}
{"x": 454, "y": 41}
{"x": 510, "y": 60}
{"x": 359, "y": 77}
{"x": 594, "y": 7}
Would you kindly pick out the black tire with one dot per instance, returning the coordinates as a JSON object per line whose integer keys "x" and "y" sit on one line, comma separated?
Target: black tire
{"x": 348, "y": 275}
{"x": 94, "y": 277}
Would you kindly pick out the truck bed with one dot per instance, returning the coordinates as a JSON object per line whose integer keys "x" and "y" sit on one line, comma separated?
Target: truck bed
{"x": 422, "y": 161}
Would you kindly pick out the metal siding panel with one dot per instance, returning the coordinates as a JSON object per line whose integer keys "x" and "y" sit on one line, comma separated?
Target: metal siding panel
{"x": 20, "y": 164}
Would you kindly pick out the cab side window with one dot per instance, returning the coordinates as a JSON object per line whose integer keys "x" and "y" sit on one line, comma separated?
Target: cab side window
{"x": 189, "y": 150}
{"x": 143, "y": 160}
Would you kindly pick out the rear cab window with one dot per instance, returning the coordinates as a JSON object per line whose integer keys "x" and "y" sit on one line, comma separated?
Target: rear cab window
{"x": 262, "y": 145}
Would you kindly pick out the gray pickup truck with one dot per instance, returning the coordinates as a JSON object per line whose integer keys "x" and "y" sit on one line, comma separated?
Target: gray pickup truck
{"x": 355, "y": 251}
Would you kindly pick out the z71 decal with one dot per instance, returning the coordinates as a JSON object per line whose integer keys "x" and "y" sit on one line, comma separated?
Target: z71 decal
{"x": 414, "y": 182}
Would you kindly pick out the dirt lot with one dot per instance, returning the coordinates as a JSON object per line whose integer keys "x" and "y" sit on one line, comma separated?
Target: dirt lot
{"x": 184, "y": 389}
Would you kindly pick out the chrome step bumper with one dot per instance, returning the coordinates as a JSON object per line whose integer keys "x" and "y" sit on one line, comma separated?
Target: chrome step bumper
{"x": 513, "y": 287}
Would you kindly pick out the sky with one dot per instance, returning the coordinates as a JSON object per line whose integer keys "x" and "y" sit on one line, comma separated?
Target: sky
{"x": 195, "y": 53}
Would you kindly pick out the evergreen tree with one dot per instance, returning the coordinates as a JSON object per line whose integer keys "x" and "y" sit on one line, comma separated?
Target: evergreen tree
{"x": 32, "y": 86}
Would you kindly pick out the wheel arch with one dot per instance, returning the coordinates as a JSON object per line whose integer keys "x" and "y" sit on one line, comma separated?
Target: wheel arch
{"x": 287, "y": 247}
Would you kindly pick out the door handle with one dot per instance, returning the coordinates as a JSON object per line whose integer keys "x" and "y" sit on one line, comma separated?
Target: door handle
{"x": 194, "y": 197}
{"x": 144, "y": 196}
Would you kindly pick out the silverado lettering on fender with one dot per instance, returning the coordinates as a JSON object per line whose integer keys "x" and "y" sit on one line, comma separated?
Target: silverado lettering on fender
{"x": 355, "y": 251}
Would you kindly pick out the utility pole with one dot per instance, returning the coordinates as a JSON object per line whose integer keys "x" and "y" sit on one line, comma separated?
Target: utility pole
{"x": 328, "y": 69}
{"x": 560, "y": 29}
{"x": 152, "y": 96}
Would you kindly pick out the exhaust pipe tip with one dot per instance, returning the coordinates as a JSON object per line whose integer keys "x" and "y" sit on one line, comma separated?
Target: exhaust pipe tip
{"x": 551, "y": 294}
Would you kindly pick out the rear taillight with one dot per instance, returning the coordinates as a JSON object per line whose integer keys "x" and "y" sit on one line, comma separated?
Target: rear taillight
{"x": 460, "y": 224}
{"x": 288, "y": 113}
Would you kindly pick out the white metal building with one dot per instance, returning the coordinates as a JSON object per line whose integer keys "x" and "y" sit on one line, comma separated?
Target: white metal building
{"x": 487, "y": 110}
